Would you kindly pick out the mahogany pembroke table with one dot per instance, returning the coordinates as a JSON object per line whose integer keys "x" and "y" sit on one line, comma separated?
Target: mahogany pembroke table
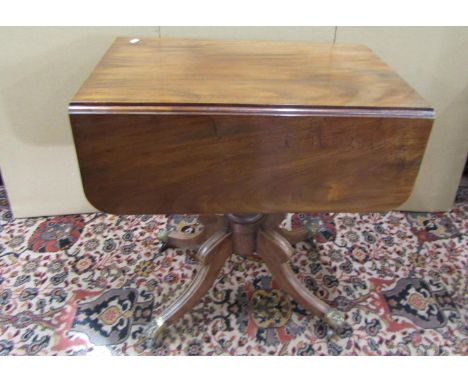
{"x": 241, "y": 132}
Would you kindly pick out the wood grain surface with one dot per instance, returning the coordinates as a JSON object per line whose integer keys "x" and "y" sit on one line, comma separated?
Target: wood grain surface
{"x": 138, "y": 163}
{"x": 216, "y": 72}
{"x": 198, "y": 126}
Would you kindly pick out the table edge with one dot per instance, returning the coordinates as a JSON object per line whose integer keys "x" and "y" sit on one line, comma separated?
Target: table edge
{"x": 266, "y": 110}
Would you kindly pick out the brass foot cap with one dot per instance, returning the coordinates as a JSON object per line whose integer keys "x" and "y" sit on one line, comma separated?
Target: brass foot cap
{"x": 155, "y": 328}
{"x": 162, "y": 235}
{"x": 335, "y": 318}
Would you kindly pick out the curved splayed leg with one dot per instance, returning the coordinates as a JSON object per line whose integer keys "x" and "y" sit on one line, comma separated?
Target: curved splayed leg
{"x": 212, "y": 255}
{"x": 276, "y": 251}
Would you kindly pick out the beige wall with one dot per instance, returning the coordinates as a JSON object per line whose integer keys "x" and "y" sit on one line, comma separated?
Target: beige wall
{"x": 41, "y": 68}
{"x": 314, "y": 34}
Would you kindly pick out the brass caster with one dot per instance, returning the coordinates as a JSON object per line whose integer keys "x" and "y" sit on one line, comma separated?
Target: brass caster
{"x": 335, "y": 318}
{"x": 330, "y": 333}
{"x": 153, "y": 331}
{"x": 163, "y": 235}
{"x": 162, "y": 246}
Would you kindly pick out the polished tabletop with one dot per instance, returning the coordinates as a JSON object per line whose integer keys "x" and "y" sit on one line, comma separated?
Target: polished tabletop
{"x": 219, "y": 72}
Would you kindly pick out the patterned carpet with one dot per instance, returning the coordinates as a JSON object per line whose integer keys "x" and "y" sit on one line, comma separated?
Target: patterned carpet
{"x": 88, "y": 284}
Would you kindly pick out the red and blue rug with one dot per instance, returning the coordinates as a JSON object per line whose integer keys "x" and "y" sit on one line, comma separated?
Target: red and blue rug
{"x": 88, "y": 285}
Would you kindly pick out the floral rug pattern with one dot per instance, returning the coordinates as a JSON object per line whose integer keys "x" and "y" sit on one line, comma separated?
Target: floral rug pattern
{"x": 88, "y": 284}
